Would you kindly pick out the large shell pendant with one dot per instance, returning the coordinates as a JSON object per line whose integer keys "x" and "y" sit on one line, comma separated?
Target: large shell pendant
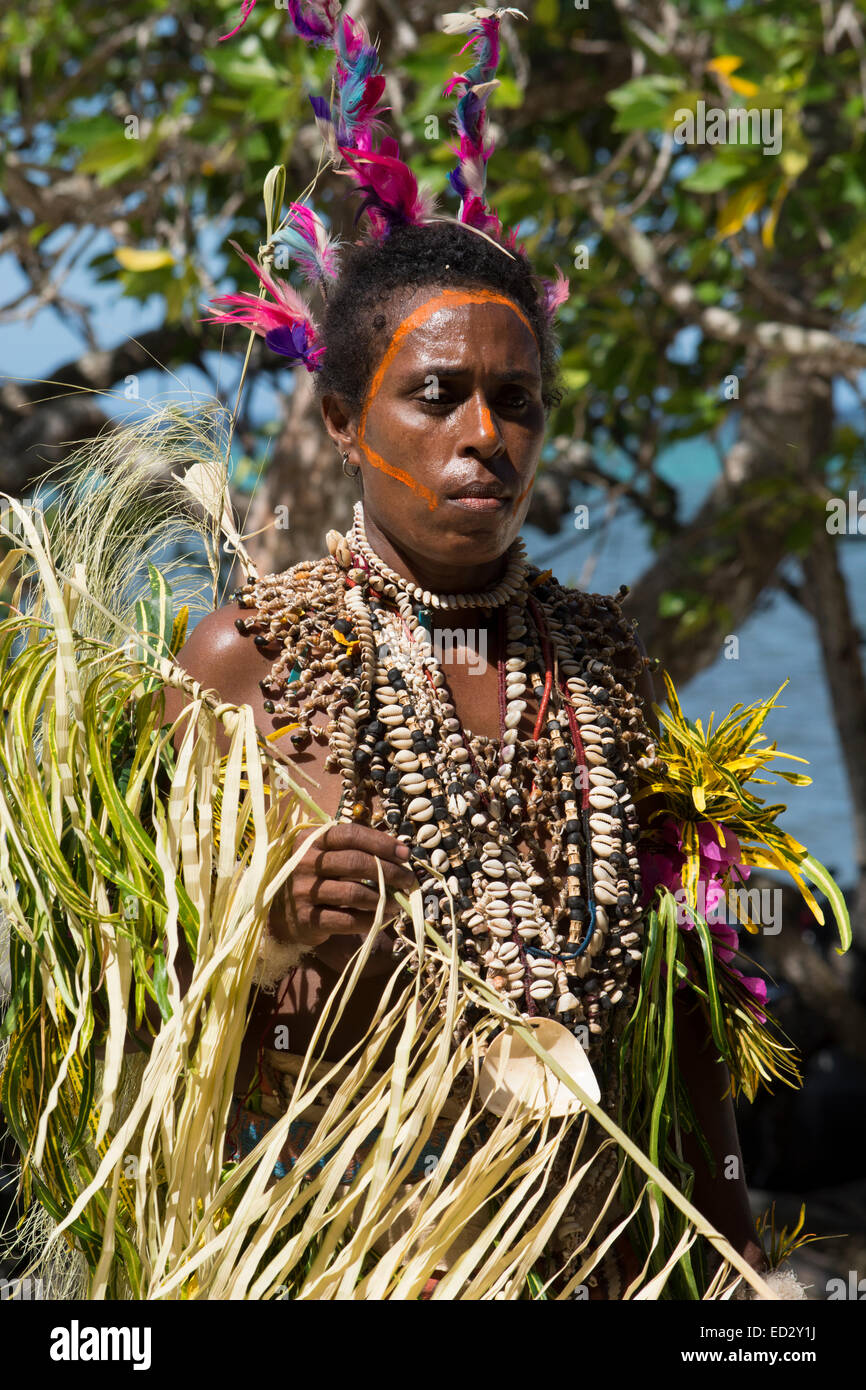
{"x": 513, "y": 1076}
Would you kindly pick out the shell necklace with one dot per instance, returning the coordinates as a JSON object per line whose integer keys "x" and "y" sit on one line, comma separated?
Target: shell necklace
{"x": 459, "y": 822}
{"x": 554, "y": 931}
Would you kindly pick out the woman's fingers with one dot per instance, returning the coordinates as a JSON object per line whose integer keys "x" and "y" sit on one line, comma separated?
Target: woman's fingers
{"x": 328, "y": 894}
{"x": 352, "y": 851}
{"x": 354, "y": 864}
{"x": 349, "y": 923}
{"x": 365, "y": 840}
{"x": 347, "y": 894}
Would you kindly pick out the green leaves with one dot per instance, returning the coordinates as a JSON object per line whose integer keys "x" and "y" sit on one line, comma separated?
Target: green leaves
{"x": 115, "y": 157}
{"x": 654, "y": 1107}
{"x": 714, "y": 174}
{"x": 163, "y": 632}
{"x": 644, "y": 103}
{"x": 821, "y": 877}
{"x": 273, "y": 195}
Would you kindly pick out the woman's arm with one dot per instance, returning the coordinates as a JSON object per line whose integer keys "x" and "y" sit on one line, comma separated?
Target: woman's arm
{"x": 722, "y": 1197}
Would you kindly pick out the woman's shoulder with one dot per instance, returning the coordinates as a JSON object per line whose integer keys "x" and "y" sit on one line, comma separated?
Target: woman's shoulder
{"x": 222, "y": 640}
{"x": 603, "y": 627}
{"x": 225, "y": 651}
{"x": 547, "y": 581}
{"x": 603, "y": 610}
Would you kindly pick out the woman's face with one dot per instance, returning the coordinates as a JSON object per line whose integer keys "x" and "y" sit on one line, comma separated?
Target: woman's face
{"x": 455, "y": 401}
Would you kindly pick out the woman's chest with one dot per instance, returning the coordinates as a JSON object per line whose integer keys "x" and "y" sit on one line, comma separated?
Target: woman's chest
{"x": 467, "y": 760}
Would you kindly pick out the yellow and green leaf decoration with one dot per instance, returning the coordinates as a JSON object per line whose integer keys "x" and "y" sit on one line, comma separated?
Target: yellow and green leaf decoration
{"x": 702, "y": 778}
{"x": 705, "y": 779}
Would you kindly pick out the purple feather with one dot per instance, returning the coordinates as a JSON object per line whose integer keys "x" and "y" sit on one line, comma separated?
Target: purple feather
{"x": 392, "y": 196}
{"x": 318, "y": 24}
{"x": 294, "y": 342}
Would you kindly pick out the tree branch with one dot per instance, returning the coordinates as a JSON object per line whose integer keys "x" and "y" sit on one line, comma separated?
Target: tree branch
{"x": 721, "y": 561}
{"x": 834, "y": 354}
{"x": 41, "y": 413}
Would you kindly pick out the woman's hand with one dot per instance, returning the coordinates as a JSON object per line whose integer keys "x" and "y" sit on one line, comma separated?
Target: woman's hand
{"x": 327, "y": 894}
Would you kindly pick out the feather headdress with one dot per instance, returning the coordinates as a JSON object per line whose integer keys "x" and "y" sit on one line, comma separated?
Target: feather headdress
{"x": 392, "y": 195}
{"x": 306, "y": 240}
{"x": 314, "y": 21}
{"x": 469, "y": 178}
{"x": 349, "y": 121}
{"x": 358, "y": 85}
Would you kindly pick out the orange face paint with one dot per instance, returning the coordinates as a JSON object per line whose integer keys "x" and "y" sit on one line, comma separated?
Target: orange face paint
{"x": 419, "y": 315}
{"x": 487, "y": 419}
{"x": 520, "y": 497}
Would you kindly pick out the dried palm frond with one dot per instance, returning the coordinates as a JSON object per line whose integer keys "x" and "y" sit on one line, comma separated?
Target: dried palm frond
{"x": 113, "y": 870}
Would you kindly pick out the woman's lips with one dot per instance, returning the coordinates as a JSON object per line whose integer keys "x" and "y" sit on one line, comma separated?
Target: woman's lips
{"x": 481, "y": 504}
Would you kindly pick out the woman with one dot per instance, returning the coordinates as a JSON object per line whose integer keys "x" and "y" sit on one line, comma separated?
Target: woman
{"x": 439, "y": 374}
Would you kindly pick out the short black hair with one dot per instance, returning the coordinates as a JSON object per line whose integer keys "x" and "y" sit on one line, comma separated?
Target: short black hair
{"x": 440, "y": 254}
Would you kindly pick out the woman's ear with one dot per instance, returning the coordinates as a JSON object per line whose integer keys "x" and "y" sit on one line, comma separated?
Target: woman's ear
{"x": 340, "y": 424}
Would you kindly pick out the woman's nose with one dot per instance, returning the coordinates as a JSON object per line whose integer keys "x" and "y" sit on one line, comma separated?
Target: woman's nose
{"x": 482, "y": 431}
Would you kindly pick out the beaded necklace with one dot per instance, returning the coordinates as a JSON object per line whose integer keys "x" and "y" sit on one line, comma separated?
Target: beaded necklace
{"x": 554, "y": 933}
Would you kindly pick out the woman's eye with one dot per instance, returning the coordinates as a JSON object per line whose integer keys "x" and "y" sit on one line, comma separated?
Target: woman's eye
{"x": 514, "y": 400}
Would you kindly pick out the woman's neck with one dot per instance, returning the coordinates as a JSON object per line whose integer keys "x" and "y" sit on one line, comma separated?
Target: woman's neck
{"x": 421, "y": 570}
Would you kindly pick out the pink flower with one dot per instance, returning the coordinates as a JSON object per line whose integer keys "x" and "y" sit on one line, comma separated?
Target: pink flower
{"x": 714, "y": 896}
{"x": 717, "y": 858}
{"x": 756, "y": 986}
{"x": 671, "y": 832}
{"x": 718, "y": 861}
{"x": 725, "y": 940}
{"x": 657, "y": 869}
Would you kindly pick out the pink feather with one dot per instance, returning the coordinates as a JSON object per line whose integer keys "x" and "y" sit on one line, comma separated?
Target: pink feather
{"x": 308, "y": 242}
{"x": 393, "y": 195}
{"x": 285, "y": 313}
{"x": 556, "y": 292}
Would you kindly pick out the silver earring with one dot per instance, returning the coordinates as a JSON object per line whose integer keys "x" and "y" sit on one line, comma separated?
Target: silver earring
{"x": 350, "y": 472}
